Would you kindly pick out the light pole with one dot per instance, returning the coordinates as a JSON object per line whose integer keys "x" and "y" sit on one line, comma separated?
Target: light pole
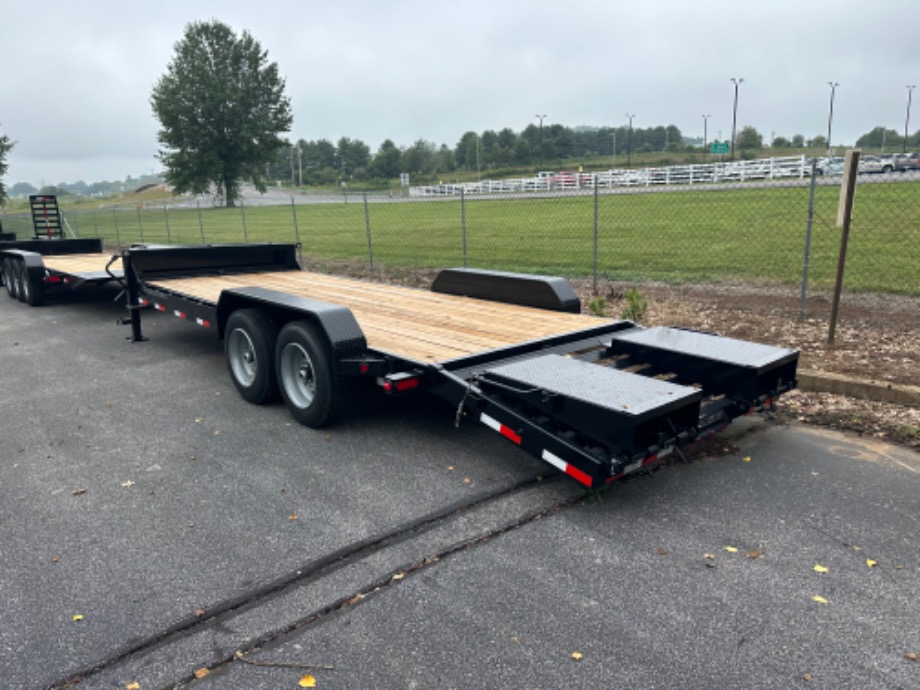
{"x": 705, "y": 131}
{"x": 629, "y": 142}
{"x": 613, "y": 162}
{"x": 910, "y": 88}
{"x": 737, "y": 82}
{"x": 540, "y": 117}
{"x": 830, "y": 115}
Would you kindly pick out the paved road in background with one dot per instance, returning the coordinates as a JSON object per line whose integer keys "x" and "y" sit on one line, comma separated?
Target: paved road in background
{"x": 155, "y": 525}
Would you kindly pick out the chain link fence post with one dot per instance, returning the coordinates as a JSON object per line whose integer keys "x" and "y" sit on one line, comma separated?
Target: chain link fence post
{"x": 200, "y": 222}
{"x": 811, "y": 216}
{"x": 594, "y": 284}
{"x": 296, "y": 232}
{"x": 166, "y": 218}
{"x": 463, "y": 222}
{"x": 243, "y": 216}
{"x": 367, "y": 223}
{"x": 140, "y": 222}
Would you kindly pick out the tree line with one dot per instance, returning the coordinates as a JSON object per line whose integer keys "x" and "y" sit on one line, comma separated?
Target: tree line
{"x": 323, "y": 163}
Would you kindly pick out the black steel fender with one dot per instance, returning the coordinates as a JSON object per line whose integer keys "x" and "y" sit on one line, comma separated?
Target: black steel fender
{"x": 344, "y": 335}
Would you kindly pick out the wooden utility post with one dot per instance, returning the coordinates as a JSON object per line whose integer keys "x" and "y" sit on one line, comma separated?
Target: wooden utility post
{"x": 844, "y": 216}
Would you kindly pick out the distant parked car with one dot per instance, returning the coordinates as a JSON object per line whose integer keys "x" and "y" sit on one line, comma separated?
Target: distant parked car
{"x": 908, "y": 161}
{"x": 829, "y": 166}
{"x": 876, "y": 164}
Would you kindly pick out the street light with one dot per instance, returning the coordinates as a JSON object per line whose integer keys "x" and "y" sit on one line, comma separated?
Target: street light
{"x": 830, "y": 115}
{"x": 540, "y": 117}
{"x": 629, "y": 142}
{"x": 613, "y": 162}
{"x": 910, "y": 88}
{"x": 705, "y": 131}
{"x": 737, "y": 82}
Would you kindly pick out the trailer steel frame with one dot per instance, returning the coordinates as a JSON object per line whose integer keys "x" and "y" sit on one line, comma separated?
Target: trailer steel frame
{"x": 597, "y": 403}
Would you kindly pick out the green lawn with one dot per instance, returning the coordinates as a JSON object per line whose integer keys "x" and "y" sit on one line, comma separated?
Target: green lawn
{"x": 747, "y": 232}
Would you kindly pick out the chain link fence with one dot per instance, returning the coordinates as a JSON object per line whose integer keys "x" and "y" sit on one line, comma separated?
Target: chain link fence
{"x": 761, "y": 233}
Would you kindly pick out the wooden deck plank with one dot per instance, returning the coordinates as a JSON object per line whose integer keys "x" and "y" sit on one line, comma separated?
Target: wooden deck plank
{"x": 75, "y": 264}
{"x": 406, "y": 322}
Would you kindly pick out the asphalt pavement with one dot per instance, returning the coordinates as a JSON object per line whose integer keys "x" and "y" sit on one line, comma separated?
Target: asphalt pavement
{"x": 159, "y": 531}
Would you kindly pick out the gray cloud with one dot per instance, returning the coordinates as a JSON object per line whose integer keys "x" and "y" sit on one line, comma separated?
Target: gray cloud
{"x": 77, "y": 79}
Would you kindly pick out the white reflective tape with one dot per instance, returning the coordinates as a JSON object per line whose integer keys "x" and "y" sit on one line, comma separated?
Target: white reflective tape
{"x": 555, "y": 461}
{"x": 490, "y": 422}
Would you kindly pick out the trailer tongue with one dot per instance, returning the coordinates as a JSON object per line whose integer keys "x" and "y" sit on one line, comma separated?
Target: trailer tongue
{"x": 596, "y": 399}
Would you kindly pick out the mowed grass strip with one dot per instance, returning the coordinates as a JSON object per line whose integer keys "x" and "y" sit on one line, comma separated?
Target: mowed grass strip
{"x": 746, "y": 233}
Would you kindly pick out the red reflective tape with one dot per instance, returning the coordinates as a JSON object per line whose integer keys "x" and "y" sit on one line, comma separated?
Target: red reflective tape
{"x": 180, "y": 314}
{"x": 202, "y": 322}
{"x": 493, "y": 423}
{"x": 650, "y": 459}
{"x": 570, "y": 470}
{"x": 406, "y": 384}
{"x": 576, "y": 473}
{"x": 509, "y": 434}
{"x": 54, "y": 279}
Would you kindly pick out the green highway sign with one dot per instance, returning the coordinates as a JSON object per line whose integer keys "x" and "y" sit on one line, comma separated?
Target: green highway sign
{"x": 718, "y": 147}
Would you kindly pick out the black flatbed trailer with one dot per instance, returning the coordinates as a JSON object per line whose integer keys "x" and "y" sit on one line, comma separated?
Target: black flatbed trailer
{"x": 31, "y": 268}
{"x": 595, "y": 398}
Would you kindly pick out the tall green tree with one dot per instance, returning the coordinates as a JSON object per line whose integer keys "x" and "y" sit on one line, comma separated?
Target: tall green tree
{"x": 749, "y": 138}
{"x": 5, "y": 146}
{"x": 221, "y": 107}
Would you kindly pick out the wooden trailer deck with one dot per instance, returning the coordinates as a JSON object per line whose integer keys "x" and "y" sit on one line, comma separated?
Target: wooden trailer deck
{"x": 75, "y": 264}
{"x": 412, "y": 324}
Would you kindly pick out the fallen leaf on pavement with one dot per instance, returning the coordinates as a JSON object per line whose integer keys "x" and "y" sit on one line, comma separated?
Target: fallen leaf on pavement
{"x": 77, "y": 617}
{"x": 709, "y": 556}
{"x": 201, "y": 673}
{"x": 578, "y": 656}
{"x": 293, "y": 516}
{"x": 911, "y": 656}
{"x": 747, "y": 458}
{"x": 128, "y": 484}
{"x": 806, "y": 677}
{"x": 871, "y": 563}
{"x": 820, "y": 569}
{"x": 819, "y": 599}
{"x": 133, "y": 686}
{"x": 307, "y": 681}
{"x": 199, "y": 612}
{"x": 662, "y": 551}
{"x": 79, "y": 492}
{"x": 755, "y": 553}
{"x": 731, "y": 549}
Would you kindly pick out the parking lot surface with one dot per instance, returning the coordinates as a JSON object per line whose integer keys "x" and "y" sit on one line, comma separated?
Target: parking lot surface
{"x": 159, "y": 530}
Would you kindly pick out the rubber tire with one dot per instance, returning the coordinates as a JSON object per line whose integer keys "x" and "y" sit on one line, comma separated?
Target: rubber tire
{"x": 30, "y": 291}
{"x": 8, "y": 276}
{"x": 3, "y": 271}
{"x": 302, "y": 343}
{"x": 14, "y": 274}
{"x": 251, "y": 333}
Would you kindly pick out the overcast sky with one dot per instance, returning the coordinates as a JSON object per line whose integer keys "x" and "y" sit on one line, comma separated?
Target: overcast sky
{"x": 76, "y": 77}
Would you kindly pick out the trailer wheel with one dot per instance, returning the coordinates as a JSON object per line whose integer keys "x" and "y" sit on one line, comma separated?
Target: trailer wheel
{"x": 309, "y": 384}
{"x": 32, "y": 292}
{"x": 13, "y": 271}
{"x": 8, "y": 279}
{"x": 249, "y": 344}
{"x": 3, "y": 263}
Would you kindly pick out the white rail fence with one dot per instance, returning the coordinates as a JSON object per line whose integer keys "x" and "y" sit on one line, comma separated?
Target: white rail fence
{"x": 707, "y": 173}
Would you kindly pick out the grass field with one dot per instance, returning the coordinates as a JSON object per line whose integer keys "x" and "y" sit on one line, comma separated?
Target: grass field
{"x": 752, "y": 233}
